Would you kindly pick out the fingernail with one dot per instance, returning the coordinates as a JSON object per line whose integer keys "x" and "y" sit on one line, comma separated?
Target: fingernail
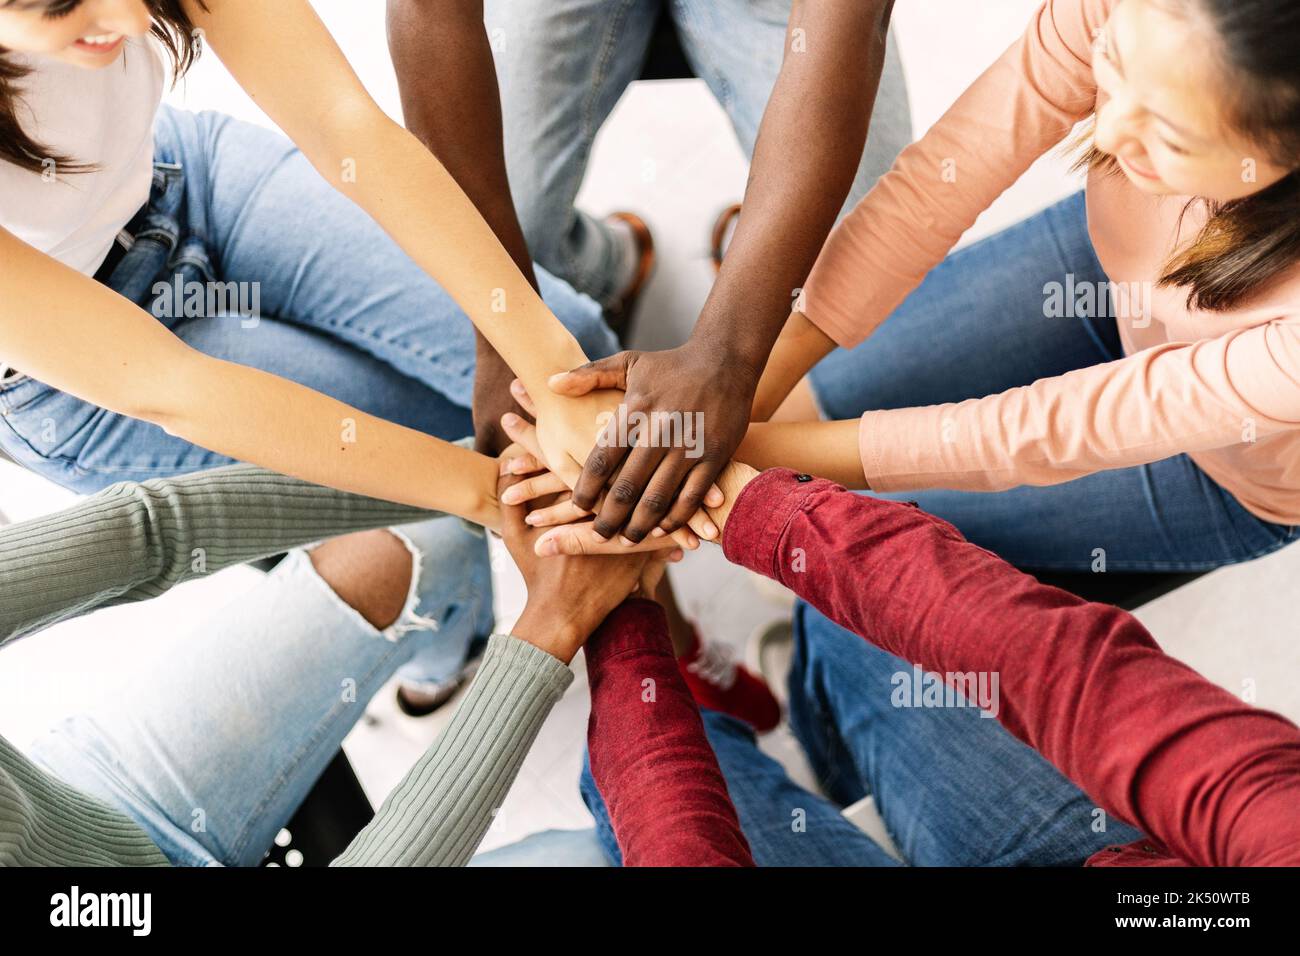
{"x": 658, "y": 533}
{"x": 548, "y": 548}
{"x": 510, "y": 419}
{"x": 511, "y": 497}
{"x": 677, "y": 555}
{"x": 532, "y": 520}
{"x": 714, "y": 498}
{"x": 556, "y": 378}
{"x": 626, "y": 542}
{"x": 710, "y": 530}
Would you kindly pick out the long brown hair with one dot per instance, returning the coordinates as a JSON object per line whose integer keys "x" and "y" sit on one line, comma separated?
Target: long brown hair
{"x": 171, "y": 25}
{"x": 1247, "y": 242}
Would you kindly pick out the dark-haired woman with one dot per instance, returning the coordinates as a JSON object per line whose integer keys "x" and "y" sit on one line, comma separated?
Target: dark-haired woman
{"x": 1123, "y": 369}
{"x": 155, "y": 266}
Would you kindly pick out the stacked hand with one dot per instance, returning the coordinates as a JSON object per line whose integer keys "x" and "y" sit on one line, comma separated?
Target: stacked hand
{"x": 565, "y": 529}
{"x": 568, "y": 597}
{"x": 706, "y": 391}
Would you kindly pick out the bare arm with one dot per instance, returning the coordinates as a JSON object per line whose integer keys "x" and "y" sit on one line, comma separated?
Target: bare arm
{"x": 808, "y": 150}
{"x": 73, "y": 334}
{"x": 308, "y": 88}
{"x": 451, "y": 102}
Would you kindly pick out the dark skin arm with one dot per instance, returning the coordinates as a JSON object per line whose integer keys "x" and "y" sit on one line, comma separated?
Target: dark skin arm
{"x": 450, "y": 100}
{"x": 809, "y": 147}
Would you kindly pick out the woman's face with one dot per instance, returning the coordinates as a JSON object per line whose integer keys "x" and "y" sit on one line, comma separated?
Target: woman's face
{"x": 85, "y": 33}
{"x": 1162, "y": 111}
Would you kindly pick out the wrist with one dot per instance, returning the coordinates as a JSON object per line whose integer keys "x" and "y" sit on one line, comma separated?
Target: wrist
{"x": 550, "y": 629}
{"x": 719, "y": 346}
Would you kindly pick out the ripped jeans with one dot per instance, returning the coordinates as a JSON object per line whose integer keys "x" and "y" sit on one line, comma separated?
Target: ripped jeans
{"x": 212, "y": 749}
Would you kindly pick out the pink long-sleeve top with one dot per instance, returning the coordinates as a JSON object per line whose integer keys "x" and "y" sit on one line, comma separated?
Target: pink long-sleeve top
{"x": 1223, "y": 387}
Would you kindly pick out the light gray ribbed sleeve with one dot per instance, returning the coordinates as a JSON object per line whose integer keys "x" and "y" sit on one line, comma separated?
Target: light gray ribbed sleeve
{"x": 438, "y": 814}
{"x": 44, "y": 822}
{"x": 135, "y": 541}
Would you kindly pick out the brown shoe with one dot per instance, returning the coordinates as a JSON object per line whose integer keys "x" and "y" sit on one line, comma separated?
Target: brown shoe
{"x": 620, "y": 314}
{"x": 723, "y": 227}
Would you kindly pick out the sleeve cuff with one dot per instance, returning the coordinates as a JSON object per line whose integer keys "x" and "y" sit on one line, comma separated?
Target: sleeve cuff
{"x": 636, "y": 624}
{"x": 527, "y": 662}
{"x": 761, "y": 514}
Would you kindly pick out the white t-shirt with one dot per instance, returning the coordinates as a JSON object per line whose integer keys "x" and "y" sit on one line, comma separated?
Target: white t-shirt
{"x": 100, "y": 116}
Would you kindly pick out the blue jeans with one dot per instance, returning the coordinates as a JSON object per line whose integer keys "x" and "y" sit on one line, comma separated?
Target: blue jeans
{"x": 563, "y": 66}
{"x": 976, "y": 327}
{"x": 342, "y": 310}
{"x": 953, "y": 787}
{"x": 212, "y": 746}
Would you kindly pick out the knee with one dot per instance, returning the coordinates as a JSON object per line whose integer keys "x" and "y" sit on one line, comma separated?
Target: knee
{"x": 370, "y": 571}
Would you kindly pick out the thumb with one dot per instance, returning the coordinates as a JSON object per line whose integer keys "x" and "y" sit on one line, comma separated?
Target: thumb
{"x": 603, "y": 373}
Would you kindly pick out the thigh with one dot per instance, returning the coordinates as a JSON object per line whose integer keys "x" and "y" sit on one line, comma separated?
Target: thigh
{"x": 212, "y": 747}
{"x": 86, "y": 448}
{"x": 954, "y": 788}
{"x": 982, "y": 322}
{"x": 737, "y": 47}
{"x": 315, "y": 259}
{"x": 1165, "y": 517}
{"x": 784, "y": 823}
{"x": 562, "y": 66}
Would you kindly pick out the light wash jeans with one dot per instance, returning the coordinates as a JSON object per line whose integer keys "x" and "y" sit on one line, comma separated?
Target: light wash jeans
{"x": 342, "y": 309}
{"x": 976, "y": 327}
{"x": 562, "y": 66}
{"x": 953, "y": 787}
{"x": 212, "y": 747}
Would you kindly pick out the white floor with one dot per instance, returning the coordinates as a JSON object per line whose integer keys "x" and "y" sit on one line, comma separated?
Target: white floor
{"x": 1237, "y": 625}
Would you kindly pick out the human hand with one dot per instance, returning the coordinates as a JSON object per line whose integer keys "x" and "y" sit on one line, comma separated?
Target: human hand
{"x": 662, "y": 480}
{"x": 565, "y": 430}
{"x": 544, "y": 491}
{"x": 548, "y": 499}
{"x": 568, "y": 597}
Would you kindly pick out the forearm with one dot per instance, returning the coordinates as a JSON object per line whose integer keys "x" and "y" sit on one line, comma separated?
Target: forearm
{"x": 427, "y": 213}
{"x": 268, "y": 421}
{"x": 450, "y": 101}
{"x": 825, "y": 449}
{"x": 1212, "y": 779}
{"x": 806, "y": 156}
{"x": 439, "y": 813}
{"x": 136, "y": 541}
{"x": 650, "y": 758}
{"x": 800, "y": 346}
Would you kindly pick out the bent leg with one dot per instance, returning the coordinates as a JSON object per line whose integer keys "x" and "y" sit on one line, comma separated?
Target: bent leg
{"x": 954, "y": 788}
{"x": 213, "y": 748}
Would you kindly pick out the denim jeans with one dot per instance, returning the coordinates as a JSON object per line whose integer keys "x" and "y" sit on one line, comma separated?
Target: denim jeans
{"x": 976, "y": 327}
{"x": 212, "y": 747}
{"x": 953, "y": 787}
{"x": 341, "y": 309}
{"x": 562, "y": 67}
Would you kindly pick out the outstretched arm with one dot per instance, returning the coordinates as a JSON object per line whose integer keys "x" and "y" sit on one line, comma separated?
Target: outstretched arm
{"x": 1213, "y": 780}
{"x": 133, "y": 542}
{"x": 808, "y": 150}
{"x": 450, "y": 100}
{"x": 309, "y": 89}
{"x": 652, "y": 763}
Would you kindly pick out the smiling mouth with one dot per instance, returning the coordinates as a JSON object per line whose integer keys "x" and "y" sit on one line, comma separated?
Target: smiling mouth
{"x": 104, "y": 43}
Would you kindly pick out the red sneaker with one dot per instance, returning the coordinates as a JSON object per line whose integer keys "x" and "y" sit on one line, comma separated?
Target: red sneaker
{"x": 719, "y": 683}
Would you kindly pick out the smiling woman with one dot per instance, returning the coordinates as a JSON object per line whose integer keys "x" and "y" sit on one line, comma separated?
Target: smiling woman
{"x": 1157, "y": 433}
{"x": 1235, "y": 149}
